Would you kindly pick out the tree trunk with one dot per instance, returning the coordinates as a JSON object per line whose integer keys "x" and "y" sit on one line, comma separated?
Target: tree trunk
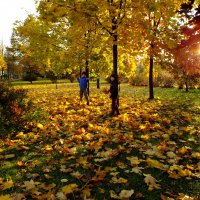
{"x": 115, "y": 50}
{"x": 115, "y": 54}
{"x": 80, "y": 72}
{"x": 2, "y": 73}
{"x": 187, "y": 84}
{"x": 87, "y": 74}
{"x": 98, "y": 83}
{"x": 151, "y": 93}
{"x": 31, "y": 77}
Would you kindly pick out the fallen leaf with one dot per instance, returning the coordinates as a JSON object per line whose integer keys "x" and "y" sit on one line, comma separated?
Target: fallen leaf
{"x": 19, "y": 196}
{"x": 29, "y": 185}
{"x": 151, "y": 182}
{"x": 137, "y": 170}
{"x": 163, "y": 197}
{"x": 19, "y": 163}
{"x": 119, "y": 180}
{"x": 8, "y": 185}
{"x": 61, "y": 196}
{"x": 125, "y": 194}
{"x": 87, "y": 192}
{"x": 40, "y": 126}
{"x": 64, "y": 180}
{"x": 113, "y": 195}
{"x": 69, "y": 188}
{"x": 9, "y": 156}
{"x": 155, "y": 164}
{"x": 5, "y": 197}
{"x": 134, "y": 160}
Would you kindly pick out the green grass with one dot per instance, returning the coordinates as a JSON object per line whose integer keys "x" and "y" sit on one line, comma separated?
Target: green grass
{"x": 38, "y": 82}
{"x": 44, "y": 81}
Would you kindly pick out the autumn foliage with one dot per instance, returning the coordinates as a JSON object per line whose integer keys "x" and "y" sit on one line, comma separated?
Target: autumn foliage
{"x": 13, "y": 105}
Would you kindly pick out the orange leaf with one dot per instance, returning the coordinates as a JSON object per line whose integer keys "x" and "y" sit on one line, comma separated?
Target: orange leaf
{"x": 19, "y": 163}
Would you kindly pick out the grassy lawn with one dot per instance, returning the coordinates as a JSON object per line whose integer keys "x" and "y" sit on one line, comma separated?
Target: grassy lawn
{"x": 38, "y": 82}
{"x": 73, "y": 151}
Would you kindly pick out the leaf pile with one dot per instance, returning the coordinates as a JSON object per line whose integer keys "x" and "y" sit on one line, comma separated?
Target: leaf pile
{"x": 150, "y": 151}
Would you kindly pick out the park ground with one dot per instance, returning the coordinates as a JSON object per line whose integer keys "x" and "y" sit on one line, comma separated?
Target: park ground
{"x": 74, "y": 151}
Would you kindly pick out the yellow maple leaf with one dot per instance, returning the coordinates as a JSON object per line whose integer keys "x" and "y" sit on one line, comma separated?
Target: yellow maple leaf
{"x": 113, "y": 195}
{"x": 18, "y": 196}
{"x": 68, "y": 189}
{"x": 48, "y": 148}
{"x": 182, "y": 150}
{"x": 173, "y": 174}
{"x": 61, "y": 196}
{"x": 163, "y": 197}
{"x": 125, "y": 194}
{"x": 151, "y": 182}
{"x": 76, "y": 174}
{"x": 83, "y": 161}
{"x": 5, "y": 197}
{"x": 137, "y": 170}
{"x": 185, "y": 172}
{"x": 8, "y": 184}
{"x": 40, "y": 126}
{"x": 171, "y": 154}
{"x": 99, "y": 176}
{"x": 196, "y": 155}
{"x": 155, "y": 163}
{"x": 145, "y": 137}
{"x": 134, "y": 160}
{"x": 29, "y": 185}
{"x": 119, "y": 180}
{"x": 87, "y": 192}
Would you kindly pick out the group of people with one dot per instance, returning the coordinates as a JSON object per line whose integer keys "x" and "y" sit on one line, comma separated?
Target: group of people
{"x": 113, "y": 91}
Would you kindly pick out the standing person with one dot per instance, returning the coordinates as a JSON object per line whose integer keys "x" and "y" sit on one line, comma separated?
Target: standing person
{"x": 83, "y": 82}
{"x": 114, "y": 94}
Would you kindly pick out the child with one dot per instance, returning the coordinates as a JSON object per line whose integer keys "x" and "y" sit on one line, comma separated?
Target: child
{"x": 83, "y": 82}
{"x": 114, "y": 95}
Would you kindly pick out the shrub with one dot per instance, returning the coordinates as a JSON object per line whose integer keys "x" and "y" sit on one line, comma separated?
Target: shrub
{"x": 139, "y": 79}
{"x": 13, "y": 106}
{"x": 51, "y": 75}
{"x": 165, "y": 80}
{"x": 30, "y": 77}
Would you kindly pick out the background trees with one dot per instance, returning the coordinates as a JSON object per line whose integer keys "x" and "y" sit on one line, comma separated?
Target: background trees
{"x": 187, "y": 52}
{"x": 2, "y": 65}
{"x": 137, "y": 39}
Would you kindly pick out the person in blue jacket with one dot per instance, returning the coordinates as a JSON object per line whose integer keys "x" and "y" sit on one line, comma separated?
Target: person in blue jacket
{"x": 83, "y": 83}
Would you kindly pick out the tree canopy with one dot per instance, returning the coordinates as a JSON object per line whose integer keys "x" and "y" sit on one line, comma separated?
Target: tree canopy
{"x": 111, "y": 36}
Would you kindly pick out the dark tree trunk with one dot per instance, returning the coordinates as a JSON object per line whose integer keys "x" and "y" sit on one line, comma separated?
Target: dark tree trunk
{"x": 187, "y": 84}
{"x": 115, "y": 50}
{"x": 31, "y": 75}
{"x": 2, "y": 73}
{"x": 115, "y": 54}
{"x": 87, "y": 74}
{"x": 98, "y": 83}
{"x": 80, "y": 72}
{"x": 151, "y": 93}
{"x": 115, "y": 46}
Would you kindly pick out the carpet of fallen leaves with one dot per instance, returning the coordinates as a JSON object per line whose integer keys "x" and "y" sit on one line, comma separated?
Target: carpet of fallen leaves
{"x": 150, "y": 151}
